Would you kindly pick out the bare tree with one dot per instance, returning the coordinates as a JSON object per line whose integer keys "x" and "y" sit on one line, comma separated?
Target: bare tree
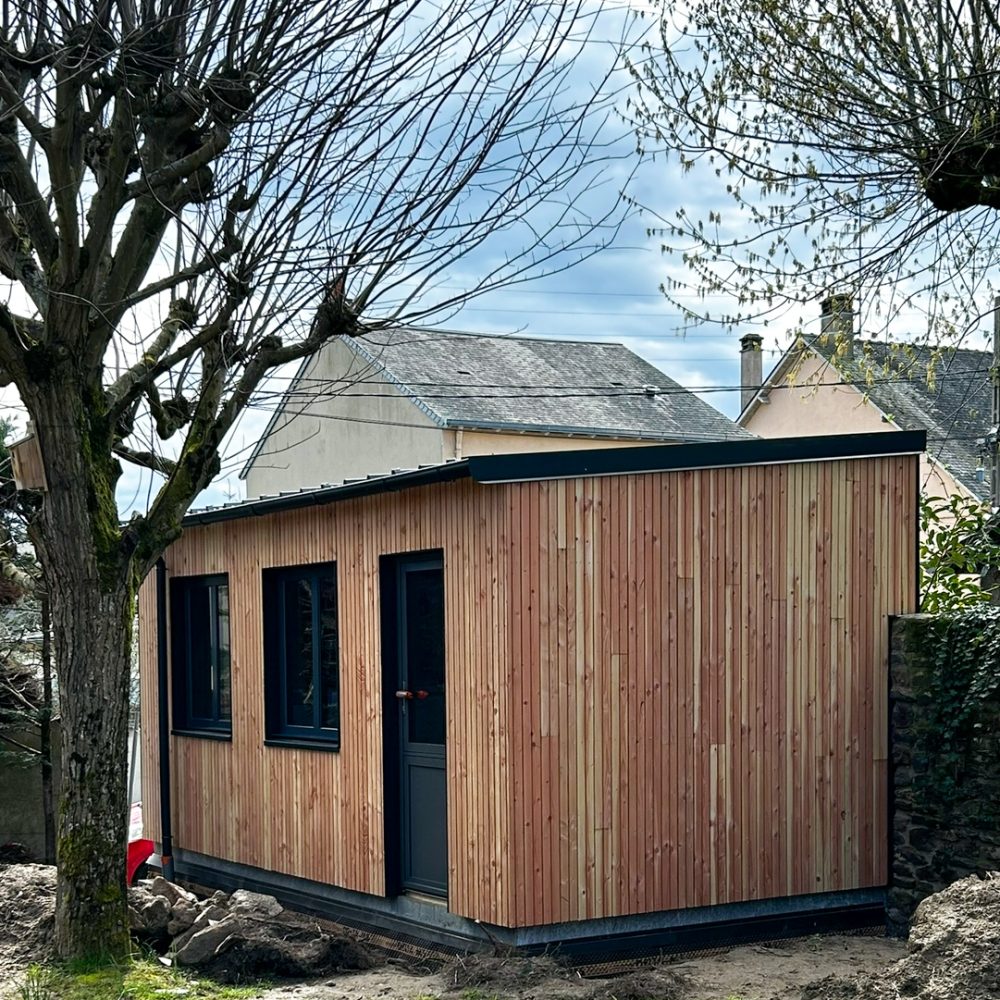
{"x": 197, "y": 191}
{"x": 857, "y": 145}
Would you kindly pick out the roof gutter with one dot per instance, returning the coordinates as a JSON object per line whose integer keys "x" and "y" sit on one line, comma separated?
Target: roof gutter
{"x": 567, "y": 430}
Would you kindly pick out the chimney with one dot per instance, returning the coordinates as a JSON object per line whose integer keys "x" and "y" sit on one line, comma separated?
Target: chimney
{"x": 751, "y": 367}
{"x": 836, "y": 320}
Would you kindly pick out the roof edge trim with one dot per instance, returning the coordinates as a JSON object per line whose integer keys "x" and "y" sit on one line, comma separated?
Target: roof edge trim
{"x": 389, "y": 483}
{"x": 680, "y": 457}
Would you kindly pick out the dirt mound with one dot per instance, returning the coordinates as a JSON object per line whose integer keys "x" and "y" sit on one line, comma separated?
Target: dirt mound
{"x": 501, "y": 973}
{"x": 27, "y": 914}
{"x": 953, "y": 951}
{"x": 258, "y": 949}
{"x": 646, "y": 984}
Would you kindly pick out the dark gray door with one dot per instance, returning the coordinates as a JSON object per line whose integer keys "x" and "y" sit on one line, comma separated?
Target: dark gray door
{"x": 420, "y": 697}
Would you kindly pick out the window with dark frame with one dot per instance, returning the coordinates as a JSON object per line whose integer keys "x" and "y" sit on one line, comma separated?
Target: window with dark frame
{"x": 201, "y": 664}
{"x": 302, "y": 655}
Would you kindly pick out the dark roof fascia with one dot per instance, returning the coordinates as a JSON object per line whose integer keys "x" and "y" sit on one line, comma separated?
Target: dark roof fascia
{"x": 668, "y": 458}
{"x": 331, "y": 494}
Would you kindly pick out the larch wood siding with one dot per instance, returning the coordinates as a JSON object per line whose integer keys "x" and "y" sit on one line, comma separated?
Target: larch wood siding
{"x": 319, "y": 814}
{"x": 664, "y": 690}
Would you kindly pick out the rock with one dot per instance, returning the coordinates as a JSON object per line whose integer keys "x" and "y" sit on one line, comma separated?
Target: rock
{"x": 206, "y": 915}
{"x": 159, "y": 886}
{"x": 148, "y": 915}
{"x": 182, "y": 917}
{"x": 202, "y": 944}
{"x": 254, "y": 904}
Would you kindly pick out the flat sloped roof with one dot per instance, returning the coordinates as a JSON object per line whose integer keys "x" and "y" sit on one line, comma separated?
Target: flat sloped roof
{"x": 535, "y": 466}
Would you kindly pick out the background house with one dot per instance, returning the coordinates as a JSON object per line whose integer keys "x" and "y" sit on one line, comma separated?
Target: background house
{"x": 401, "y": 398}
{"x": 837, "y": 383}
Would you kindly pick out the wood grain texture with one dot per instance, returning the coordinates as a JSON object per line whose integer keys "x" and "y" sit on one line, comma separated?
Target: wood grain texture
{"x": 724, "y": 730}
{"x": 664, "y": 690}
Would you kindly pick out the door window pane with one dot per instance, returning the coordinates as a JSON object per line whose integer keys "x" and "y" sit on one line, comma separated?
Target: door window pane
{"x": 424, "y": 636}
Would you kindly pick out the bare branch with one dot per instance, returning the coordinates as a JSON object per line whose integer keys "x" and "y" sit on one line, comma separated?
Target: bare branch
{"x": 146, "y": 459}
{"x": 854, "y": 147}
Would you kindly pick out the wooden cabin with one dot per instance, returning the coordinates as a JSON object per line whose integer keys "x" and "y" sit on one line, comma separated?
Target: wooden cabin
{"x": 568, "y": 696}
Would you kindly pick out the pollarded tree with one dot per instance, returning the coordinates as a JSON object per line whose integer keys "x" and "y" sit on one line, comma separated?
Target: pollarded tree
{"x": 193, "y": 192}
{"x": 856, "y": 142}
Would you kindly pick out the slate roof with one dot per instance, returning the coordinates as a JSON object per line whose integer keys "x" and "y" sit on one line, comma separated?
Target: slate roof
{"x": 945, "y": 391}
{"x": 505, "y": 383}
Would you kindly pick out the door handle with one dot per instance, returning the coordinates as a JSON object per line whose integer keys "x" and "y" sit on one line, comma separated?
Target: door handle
{"x": 410, "y": 695}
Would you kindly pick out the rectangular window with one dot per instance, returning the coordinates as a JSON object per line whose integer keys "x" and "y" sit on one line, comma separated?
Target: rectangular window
{"x": 200, "y": 661}
{"x": 302, "y": 654}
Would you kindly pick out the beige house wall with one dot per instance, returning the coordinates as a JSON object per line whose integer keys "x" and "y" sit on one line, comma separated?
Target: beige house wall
{"x": 362, "y": 426}
{"x": 814, "y": 401}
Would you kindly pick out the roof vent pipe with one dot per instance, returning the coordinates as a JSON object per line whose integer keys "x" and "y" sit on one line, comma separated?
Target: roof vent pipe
{"x": 836, "y": 320}
{"x": 751, "y": 367}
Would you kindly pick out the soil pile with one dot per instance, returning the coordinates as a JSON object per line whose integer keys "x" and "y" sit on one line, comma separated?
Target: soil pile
{"x": 953, "y": 951}
{"x": 501, "y": 974}
{"x": 27, "y": 914}
{"x": 657, "y": 983}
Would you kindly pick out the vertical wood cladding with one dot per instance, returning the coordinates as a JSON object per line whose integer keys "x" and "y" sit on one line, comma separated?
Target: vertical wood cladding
{"x": 664, "y": 690}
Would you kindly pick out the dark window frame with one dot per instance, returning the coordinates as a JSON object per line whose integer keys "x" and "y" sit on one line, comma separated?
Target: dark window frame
{"x": 217, "y": 725}
{"x": 277, "y": 730}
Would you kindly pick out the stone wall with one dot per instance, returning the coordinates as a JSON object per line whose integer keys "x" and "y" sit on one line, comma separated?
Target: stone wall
{"x": 946, "y": 817}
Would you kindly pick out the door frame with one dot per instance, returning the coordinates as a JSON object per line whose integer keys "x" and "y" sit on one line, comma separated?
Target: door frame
{"x": 392, "y": 830}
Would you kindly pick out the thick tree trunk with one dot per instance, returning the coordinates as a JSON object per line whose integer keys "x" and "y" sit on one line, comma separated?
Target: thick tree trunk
{"x": 90, "y": 585}
{"x": 92, "y": 640}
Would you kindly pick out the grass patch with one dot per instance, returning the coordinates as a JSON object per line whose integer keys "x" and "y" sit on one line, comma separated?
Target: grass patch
{"x": 142, "y": 979}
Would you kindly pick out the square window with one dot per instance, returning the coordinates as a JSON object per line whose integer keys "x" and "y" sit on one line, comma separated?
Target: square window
{"x": 200, "y": 661}
{"x": 302, "y": 654}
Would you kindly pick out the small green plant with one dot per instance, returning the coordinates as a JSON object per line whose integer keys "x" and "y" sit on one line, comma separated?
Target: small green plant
{"x": 474, "y": 993}
{"x": 959, "y": 546}
{"x": 37, "y": 984}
